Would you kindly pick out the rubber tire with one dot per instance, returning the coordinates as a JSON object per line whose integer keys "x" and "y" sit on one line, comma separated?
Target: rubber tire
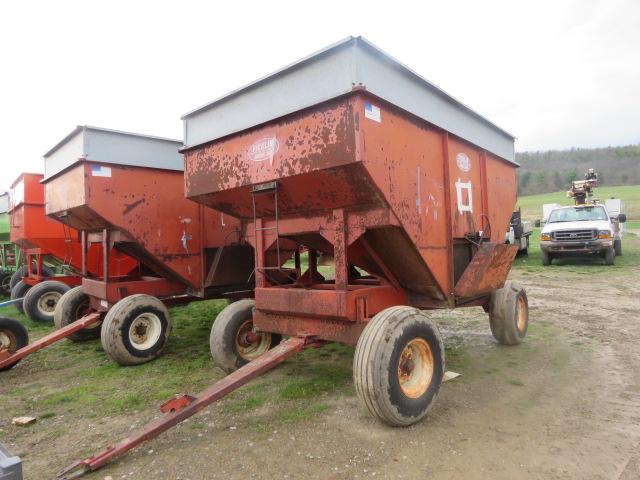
{"x": 375, "y": 365}
{"x": 22, "y": 271}
{"x": 67, "y": 312}
{"x": 610, "y": 256}
{"x": 617, "y": 247}
{"x": 222, "y": 341}
{"x": 115, "y": 329}
{"x": 546, "y": 258}
{"x": 5, "y": 281}
{"x": 19, "y": 332}
{"x": 503, "y": 314}
{"x": 19, "y": 291}
{"x": 30, "y": 303}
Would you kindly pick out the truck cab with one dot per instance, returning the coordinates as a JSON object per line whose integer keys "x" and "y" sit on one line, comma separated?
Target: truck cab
{"x": 581, "y": 230}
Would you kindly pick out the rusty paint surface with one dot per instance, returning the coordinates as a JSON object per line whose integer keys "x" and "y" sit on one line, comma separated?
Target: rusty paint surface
{"x": 164, "y": 230}
{"x": 390, "y": 195}
{"x": 32, "y": 229}
{"x": 487, "y": 271}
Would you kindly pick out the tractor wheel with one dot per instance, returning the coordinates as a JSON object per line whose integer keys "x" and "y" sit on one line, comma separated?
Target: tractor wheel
{"x": 22, "y": 271}
{"x": 135, "y": 330}
{"x": 617, "y": 246}
{"x": 5, "y": 280}
{"x": 399, "y": 365}
{"x": 233, "y": 341}
{"x": 13, "y": 336}
{"x": 19, "y": 291}
{"x": 509, "y": 314}
{"x": 72, "y": 306}
{"x": 546, "y": 258}
{"x": 41, "y": 300}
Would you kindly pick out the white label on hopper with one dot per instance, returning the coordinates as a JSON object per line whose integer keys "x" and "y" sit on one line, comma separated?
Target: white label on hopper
{"x": 100, "y": 171}
{"x": 465, "y": 196}
{"x": 463, "y": 161}
{"x": 372, "y": 112}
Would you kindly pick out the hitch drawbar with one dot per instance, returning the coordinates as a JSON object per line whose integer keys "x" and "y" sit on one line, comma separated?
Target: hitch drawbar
{"x": 183, "y": 406}
{"x": 7, "y": 359}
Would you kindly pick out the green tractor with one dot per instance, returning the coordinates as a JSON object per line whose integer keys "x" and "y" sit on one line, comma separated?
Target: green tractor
{"x": 10, "y": 254}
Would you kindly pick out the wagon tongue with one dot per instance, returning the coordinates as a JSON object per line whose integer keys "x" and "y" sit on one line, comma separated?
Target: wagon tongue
{"x": 181, "y": 407}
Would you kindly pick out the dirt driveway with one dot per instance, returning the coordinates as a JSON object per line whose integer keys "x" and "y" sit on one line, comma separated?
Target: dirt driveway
{"x": 566, "y": 404}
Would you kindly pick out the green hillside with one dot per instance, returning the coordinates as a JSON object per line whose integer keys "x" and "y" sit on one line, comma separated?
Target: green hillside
{"x": 553, "y": 170}
{"x": 532, "y": 204}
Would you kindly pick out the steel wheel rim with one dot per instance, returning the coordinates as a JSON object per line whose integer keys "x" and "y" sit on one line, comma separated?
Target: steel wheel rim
{"x": 145, "y": 331}
{"x": 85, "y": 309}
{"x": 521, "y": 311}
{"x": 246, "y": 346}
{"x": 47, "y": 302}
{"x": 416, "y": 367}
{"x": 8, "y": 341}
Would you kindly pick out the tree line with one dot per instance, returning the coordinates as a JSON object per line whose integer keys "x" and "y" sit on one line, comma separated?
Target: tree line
{"x": 553, "y": 170}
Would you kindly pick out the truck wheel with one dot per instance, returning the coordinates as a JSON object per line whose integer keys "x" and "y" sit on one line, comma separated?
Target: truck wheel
{"x": 233, "y": 342}
{"x": 13, "y": 336}
{"x": 546, "y": 258}
{"x": 135, "y": 330}
{"x": 72, "y": 306}
{"x": 19, "y": 291}
{"x": 509, "y": 314}
{"x": 610, "y": 256}
{"x": 525, "y": 250}
{"x": 22, "y": 271}
{"x": 5, "y": 280}
{"x": 617, "y": 246}
{"x": 398, "y": 365}
{"x": 41, "y": 300}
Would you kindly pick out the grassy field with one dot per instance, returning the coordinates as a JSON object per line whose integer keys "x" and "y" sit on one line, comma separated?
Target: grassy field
{"x": 532, "y": 204}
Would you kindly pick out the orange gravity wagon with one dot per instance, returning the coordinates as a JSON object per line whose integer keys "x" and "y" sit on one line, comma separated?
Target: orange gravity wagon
{"x": 124, "y": 192}
{"x": 50, "y": 246}
{"x": 350, "y": 154}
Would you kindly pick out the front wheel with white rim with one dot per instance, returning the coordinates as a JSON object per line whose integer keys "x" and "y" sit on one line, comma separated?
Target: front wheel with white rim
{"x": 13, "y": 336}
{"x": 233, "y": 341}
{"x": 40, "y": 302}
{"x": 509, "y": 314}
{"x": 398, "y": 365}
{"x": 135, "y": 330}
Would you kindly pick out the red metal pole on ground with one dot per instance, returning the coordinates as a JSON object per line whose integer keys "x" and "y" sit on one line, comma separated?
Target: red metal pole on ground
{"x": 84, "y": 322}
{"x": 183, "y": 406}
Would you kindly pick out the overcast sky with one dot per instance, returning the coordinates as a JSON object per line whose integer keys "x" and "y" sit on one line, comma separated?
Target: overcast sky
{"x": 556, "y": 74}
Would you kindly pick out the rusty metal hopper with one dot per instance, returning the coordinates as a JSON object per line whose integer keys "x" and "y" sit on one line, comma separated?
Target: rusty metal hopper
{"x": 420, "y": 178}
{"x": 132, "y": 186}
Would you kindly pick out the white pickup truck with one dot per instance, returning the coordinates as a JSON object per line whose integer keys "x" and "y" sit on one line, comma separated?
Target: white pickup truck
{"x": 581, "y": 230}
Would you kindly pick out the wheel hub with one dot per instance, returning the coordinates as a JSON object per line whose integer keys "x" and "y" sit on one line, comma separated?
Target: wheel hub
{"x": 251, "y": 344}
{"x": 7, "y": 341}
{"x": 522, "y": 313}
{"x": 415, "y": 368}
{"x": 145, "y": 331}
{"x": 48, "y": 301}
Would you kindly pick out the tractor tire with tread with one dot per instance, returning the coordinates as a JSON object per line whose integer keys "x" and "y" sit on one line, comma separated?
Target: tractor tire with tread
{"x": 509, "y": 314}
{"x": 135, "y": 330}
{"x": 40, "y": 301}
{"x": 229, "y": 346}
{"x": 19, "y": 291}
{"x": 13, "y": 336}
{"x": 72, "y": 306}
{"x": 22, "y": 271}
{"x": 399, "y": 365}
